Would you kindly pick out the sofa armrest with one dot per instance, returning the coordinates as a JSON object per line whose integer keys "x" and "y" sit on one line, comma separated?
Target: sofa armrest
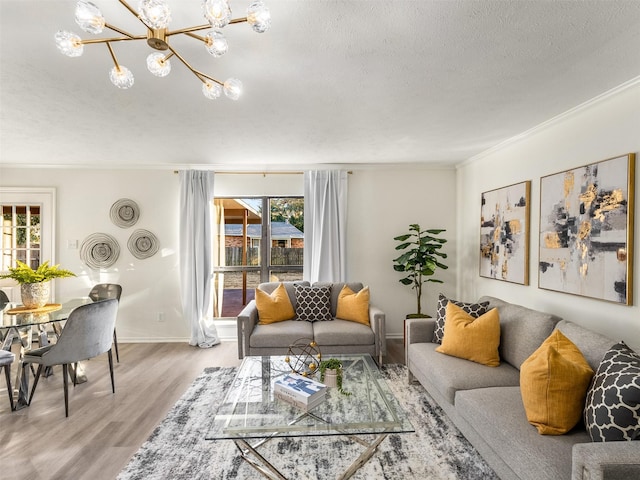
{"x": 416, "y": 330}
{"x": 377, "y": 320}
{"x": 246, "y": 321}
{"x": 419, "y": 330}
{"x": 606, "y": 461}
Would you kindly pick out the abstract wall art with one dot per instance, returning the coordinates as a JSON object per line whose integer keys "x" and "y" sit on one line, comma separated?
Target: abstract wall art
{"x": 504, "y": 233}
{"x": 586, "y": 230}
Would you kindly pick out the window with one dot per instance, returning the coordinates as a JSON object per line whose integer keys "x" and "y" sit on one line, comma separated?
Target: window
{"x": 20, "y": 235}
{"x": 27, "y": 226}
{"x": 27, "y": 229}
{"x": 250, "y": 248}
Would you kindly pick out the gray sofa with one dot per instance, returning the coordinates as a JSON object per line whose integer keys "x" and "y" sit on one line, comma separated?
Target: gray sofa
{"x": 486, "y": 405}
{"x": 333, "y": 336}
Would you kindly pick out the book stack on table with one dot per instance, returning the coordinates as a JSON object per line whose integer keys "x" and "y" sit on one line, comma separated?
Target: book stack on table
{"x": 300, "y": 391}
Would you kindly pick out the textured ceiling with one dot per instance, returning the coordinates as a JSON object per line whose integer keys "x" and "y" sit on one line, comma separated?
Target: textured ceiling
{"x": 332, "y": 82}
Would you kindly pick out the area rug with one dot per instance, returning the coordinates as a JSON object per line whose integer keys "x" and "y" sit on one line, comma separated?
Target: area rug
{"x": 177, "y": 449}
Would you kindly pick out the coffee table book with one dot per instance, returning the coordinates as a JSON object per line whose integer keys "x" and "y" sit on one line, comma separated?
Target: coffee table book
{"x": 297, "y": 403}
{"x": 299, "y": 389}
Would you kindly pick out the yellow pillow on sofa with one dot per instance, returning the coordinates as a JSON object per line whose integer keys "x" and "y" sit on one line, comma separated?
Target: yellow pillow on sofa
{"x": 353, "y": 306}
{"x": 475, "y": 339}
{"x": 275, "y": 307}
{"x": 554, "y": 382}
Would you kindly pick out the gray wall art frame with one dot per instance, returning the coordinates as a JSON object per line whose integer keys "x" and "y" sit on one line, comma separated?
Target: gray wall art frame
{"x": 586, "y": 230}
{"x": 504, "y": 233}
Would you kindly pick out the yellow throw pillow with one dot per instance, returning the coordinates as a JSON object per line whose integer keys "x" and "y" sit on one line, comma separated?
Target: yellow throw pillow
{"x": 554, "y": 382}
{"x": 475, "y": 339}
{"x": 353, "y": 306}
{"x": 275, "y": 307}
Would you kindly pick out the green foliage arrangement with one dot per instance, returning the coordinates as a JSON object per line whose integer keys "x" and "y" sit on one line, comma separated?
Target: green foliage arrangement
{"x": 23, "y": 273}
{"x": 421, "y": 259}
{"x": 333, "y": 364}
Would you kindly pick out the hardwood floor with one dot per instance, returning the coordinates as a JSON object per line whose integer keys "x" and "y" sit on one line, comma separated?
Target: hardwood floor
{"x": 104, "y": 430}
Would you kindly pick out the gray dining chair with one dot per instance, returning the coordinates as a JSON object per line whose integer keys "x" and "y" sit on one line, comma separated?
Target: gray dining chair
{"x": 87, "y": 334}
{"x": 4, "y": 300}
{"x": 6, "y": 360}
{"x": 103, "y": 291}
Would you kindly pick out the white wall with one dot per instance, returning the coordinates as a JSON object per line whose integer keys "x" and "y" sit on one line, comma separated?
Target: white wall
{"x": 382, "y": 203}
{"x": 604, "y": 129}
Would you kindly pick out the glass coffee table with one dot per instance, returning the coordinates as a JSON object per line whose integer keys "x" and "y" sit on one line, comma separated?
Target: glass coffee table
{"x": 251, "y": 416}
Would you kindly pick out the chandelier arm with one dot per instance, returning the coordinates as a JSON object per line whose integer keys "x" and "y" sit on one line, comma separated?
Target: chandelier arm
{"x": 197, "y": 73}
{"x": 237, "y": 20}
{"x": 126, "y": 34}
{"x": 189, "y": 29}
{"x": 196, "y": 36}
{"x": 133, "y": 12}
{"x": 107, "y": 40}
{"x": 113, "y": 56}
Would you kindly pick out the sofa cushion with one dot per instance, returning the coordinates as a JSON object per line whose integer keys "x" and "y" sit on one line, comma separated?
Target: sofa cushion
{"x": 313, "y": 303}
{"x": 289, "y": 287}
{"x": 280, "y": 334}
{"x": 612, "y": 409}
{"x": 336, "y": 288}
{"x": 498, "y": 415}
{"x": 451, "y": 374}
{"x": 353, "y": 306}
{"x": 522, "y": 330}
{"x": 592, "y": 345}
{"x": 342, "y": 332}
{"x": 274, "y": 307}
{"x": 474, "y": 339}
{"x": 554, "y": 382}
{"x": 473, "y": 309}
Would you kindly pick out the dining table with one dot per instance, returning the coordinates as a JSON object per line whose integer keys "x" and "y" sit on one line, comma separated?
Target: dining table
{"x": 27, "y": 326}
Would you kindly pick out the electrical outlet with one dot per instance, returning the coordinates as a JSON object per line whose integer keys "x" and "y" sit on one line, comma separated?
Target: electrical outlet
{"x": 160, "y": 317}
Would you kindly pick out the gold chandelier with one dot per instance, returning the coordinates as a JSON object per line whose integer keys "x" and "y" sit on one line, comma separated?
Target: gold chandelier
{"x": 156, "y": 15}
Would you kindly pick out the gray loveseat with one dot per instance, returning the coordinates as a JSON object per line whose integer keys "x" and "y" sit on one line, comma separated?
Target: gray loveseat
{"x": 486, "y": 405}
{"x": 333, "y": 336}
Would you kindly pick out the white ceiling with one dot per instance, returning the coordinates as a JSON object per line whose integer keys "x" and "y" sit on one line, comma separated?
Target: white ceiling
{"x": 332, "y": 82}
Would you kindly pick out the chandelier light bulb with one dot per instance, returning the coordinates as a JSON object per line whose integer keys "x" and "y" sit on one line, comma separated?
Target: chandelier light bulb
{"x": 89, "y": 17}
{"x": 158, "y": 65}
{"x": 121, "y": 77}
{"x": 154, "y": 13}
{"x": 211, "y": 90}
{"x": 216, "y": 44}
{"x": 233, "y": 88}
{"x": 69, "y": 43}
{"x": 259, "y": 17}
{"x": 217, "y": 12}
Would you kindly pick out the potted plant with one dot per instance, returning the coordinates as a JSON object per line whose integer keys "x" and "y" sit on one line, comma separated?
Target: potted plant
{"x": 34, "y": 284}
{"x": 420, "y": 260}
{"x": 332, "y": 370}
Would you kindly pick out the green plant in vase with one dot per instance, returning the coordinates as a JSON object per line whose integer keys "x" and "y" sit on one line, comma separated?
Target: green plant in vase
{"x": 335, "y": 365}
{"x": 420, "y": 260}
{"x": 34, "y": 284}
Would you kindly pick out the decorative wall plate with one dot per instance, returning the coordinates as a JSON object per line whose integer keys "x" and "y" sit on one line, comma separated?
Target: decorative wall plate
{"x": 143, "y": 244}
{"x": 99, "y": 250}
{"x": 124, "y": 213}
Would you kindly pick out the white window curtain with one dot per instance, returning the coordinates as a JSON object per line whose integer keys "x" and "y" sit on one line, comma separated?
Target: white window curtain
{"x": 325, "y": 225}
{"x": 196, "y": 198}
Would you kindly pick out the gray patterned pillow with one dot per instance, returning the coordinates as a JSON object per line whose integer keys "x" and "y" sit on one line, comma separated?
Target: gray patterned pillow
{"x": 474, "y": 309}
{"x": 313, "y": 303}
{"x": 612, "y": 409}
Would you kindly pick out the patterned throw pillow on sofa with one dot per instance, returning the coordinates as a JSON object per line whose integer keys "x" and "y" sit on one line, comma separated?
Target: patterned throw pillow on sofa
{"x": 314, "y": 303}
{"x": 474, "y": 309}
{"x": 612, "y": 410}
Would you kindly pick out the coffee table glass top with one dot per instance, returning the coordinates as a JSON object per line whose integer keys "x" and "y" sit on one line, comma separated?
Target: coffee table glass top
{"x": 250, "y": 410}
